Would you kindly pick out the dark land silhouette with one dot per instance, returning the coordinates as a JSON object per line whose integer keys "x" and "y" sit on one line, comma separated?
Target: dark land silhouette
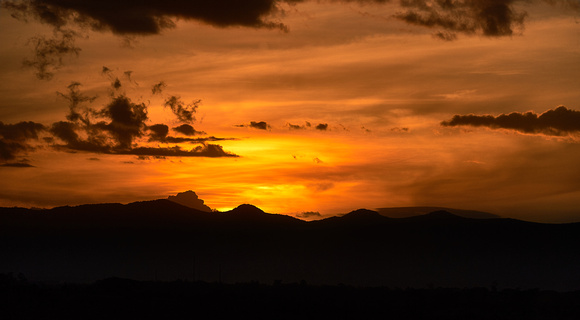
{"x": 165, "y": 241}
{"x": 118, "y": 298}
{"x": 405, "y": 212}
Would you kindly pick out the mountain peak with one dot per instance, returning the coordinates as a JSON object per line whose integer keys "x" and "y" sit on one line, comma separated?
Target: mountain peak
{"x": 362, "y": 214}
{"x": 441, "y": 214}
{"x": 247, "y": 209}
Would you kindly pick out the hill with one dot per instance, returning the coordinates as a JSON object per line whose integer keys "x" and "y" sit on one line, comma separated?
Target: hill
{"x": 166, "y": 241}
{"x": 405, "y": 212}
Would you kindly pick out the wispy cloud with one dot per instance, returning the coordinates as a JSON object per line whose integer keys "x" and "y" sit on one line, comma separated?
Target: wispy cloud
{"x": 15, "y": 138}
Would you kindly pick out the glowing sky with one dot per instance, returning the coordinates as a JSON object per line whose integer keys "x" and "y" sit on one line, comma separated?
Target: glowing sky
{"x": 306, "y": 106}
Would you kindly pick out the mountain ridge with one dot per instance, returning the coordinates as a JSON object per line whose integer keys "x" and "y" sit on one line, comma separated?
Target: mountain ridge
{"x": 168, "y": 240}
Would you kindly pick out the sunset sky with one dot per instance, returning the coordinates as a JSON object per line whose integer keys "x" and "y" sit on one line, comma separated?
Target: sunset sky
{"x": 293, "y": 106}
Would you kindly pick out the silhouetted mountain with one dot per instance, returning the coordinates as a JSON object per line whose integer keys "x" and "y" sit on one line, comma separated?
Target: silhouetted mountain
{"x": 405, "y": 212}
{"x": 363, "y": 215}
{"x": 436, "y": 215}
{"x": 164, "y": 240}
{"x": 247, "y": 209}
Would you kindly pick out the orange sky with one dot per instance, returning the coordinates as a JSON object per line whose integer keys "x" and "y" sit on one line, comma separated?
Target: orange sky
{"x": 383, "y": 86}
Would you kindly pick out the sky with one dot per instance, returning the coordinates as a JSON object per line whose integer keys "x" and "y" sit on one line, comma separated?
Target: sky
{"x": 305, "y": 108}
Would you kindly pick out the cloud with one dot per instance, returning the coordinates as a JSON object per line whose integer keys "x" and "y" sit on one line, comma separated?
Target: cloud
{"x": 261, "y": 125}
{"x": 558, "y": 122}
{"x": 130, "y": 18}
{"x": 297, "y": 126}
{"x": 307, "y": 125}
{"x": 309, "y": 215}
{"x": 492, "y": 18}
{"x": 115, "y": 82}
{"x": 400, "y": 129}
{"x": 322, "y": 126}
{"x": 187, "y": 130}
{"x": 158, "y": 87}
{"x": 73, "y": 19}
{"x": 67, "y": 132}
{"x": 158, "y": 132}
{"x": 17, "y": 165}
{"x": 205, "y": 150}
{"x": 147, "y": 17}
{"x": 14, "y": 138}
{"x": 184, "y": 112}
{"x": 121, "y": 126}
{"x": 77, "y": 110}
{"x": 127, "y": 120}
{"x": 49, "y": 52}
{"x": 191, "y": 200}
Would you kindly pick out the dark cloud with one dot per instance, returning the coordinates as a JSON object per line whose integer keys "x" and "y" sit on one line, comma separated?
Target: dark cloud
{"x": 129, "y": 18}
{"x": 171, "y": 139}
{"x": 309, "y": 215}
{"x": 106, "y": 70}
{"x": 400, "y": 129}
{"x": 184, "y": 112}
{"x": 49, "y": 52}
{"x": 77, "y": 110}
{"x": 67, "y": 132}
{"x": 297, "y": 126}
{"x": 158, "y": 132}
{"x": 307, "y": 125}
{"x": 322, "y": 126}
{"x": 127, "y": 120}
{"x": 260, "y": 125}
{"x": 17, "y": 165}
{"x": 129, "y": 76}
{"x": 447, "y": 36}
{"x": 120, "y": 128}
{"x": 558, "y": 122}
{"x": 187, "y": 130}
{"x": 191, "y": 200}
{"x": 115, "y": 82}
{"x": 492, "y": 18}
{"x": 15, "y": 138}
{"x": 147, "y": 17}
{"x": 158, "y": 87}
{"x": 205, "y": 150}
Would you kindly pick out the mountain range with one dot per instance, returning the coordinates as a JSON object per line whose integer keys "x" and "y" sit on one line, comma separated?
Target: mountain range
{"x": 164, "y": 240}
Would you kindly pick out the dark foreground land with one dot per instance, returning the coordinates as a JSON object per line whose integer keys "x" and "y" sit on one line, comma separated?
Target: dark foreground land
{"x": 161, "y": 240}
{"x": 116, "y": 298}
